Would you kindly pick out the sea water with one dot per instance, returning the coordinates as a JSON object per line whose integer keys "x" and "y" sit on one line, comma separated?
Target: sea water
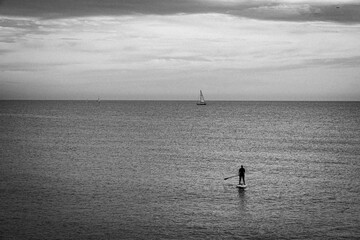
{"x": 155, "y": 170}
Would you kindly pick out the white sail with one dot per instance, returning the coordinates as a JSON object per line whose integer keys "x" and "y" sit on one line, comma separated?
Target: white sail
{"x": 202, "y": 99}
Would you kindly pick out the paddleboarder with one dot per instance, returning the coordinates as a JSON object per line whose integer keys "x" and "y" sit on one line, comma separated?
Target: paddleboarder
{"x": 241, "y": 174}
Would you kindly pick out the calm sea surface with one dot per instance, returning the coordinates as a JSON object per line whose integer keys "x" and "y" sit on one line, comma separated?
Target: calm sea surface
{"x": 155, "y": 170}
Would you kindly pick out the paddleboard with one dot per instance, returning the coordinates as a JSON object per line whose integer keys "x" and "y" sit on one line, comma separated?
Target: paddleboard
{"x": 241, "y": 186}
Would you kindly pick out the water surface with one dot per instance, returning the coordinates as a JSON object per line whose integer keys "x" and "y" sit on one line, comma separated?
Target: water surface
{"x": 155, "y": 170}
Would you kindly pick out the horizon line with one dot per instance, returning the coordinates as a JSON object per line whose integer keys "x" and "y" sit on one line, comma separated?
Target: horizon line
{"x": 173, "y": 100}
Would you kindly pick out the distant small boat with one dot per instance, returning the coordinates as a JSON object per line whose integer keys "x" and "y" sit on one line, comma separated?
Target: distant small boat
{"x": 202, "y": 99}
{"x": 98, "y": 100}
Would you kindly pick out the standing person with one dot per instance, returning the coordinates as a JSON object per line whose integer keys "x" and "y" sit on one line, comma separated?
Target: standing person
{"x": 242, "y": 174}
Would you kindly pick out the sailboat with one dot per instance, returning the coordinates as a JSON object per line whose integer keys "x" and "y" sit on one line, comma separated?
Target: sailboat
{"x": 202, "y": 99}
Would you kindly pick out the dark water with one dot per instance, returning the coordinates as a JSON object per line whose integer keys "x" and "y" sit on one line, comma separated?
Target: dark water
{"x": 155, "y": 170}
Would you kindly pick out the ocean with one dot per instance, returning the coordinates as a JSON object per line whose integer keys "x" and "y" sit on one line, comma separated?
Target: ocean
{"x": 156, "y": 169}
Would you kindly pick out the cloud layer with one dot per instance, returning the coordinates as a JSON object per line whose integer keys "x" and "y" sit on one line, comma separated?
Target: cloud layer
{"x": 160, "y": 57}
{"x": 164, "y": 49}
{"x": 347, "y": 11}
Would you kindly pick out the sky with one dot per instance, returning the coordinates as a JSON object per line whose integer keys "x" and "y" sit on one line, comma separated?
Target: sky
{"x": 268, "y": 50}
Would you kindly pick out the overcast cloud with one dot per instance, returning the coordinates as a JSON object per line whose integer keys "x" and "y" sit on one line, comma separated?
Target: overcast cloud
{"x": 290, "y": 10}
{"x": 169, "y": 49}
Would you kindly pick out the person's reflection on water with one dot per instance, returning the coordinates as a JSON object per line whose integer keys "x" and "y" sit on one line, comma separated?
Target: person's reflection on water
{"x": 242, "y": 202}
{"x": 241, "y": 193}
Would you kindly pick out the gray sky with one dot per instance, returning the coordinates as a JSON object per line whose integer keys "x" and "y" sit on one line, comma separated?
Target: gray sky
{"x": 170, "y": 49}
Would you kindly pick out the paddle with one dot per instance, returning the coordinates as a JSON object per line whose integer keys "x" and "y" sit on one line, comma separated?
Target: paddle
{"x": 230, "y": 177}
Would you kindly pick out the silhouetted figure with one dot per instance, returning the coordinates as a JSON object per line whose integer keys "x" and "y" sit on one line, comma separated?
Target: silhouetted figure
{"x": 241, "y": 174}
